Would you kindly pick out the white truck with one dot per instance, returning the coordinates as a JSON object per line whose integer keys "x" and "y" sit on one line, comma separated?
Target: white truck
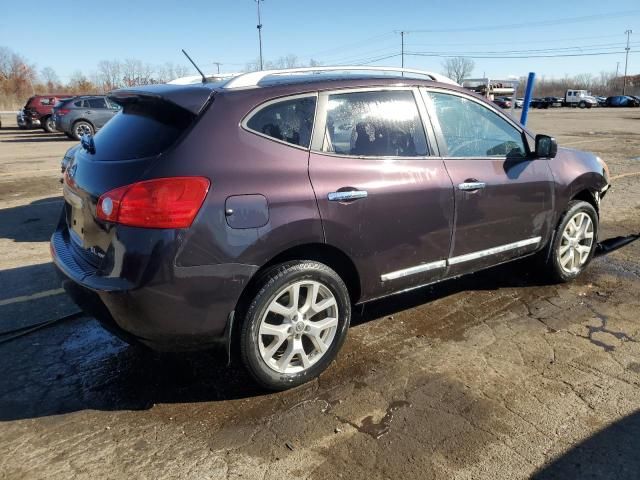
{"x": 579, "y": 98}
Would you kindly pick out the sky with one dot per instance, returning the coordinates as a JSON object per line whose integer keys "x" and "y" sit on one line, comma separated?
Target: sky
{"x": 77, "y": 35}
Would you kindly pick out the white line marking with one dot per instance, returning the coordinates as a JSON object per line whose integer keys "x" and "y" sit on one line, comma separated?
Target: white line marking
{"x": 33, "y": 296}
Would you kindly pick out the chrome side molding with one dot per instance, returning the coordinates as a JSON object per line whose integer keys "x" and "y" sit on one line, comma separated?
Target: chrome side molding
{"x": 425, "y": 267}
{"x": 493, "y": 251}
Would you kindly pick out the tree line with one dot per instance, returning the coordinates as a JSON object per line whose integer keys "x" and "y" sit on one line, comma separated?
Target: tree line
{"x": 20, "y": 79}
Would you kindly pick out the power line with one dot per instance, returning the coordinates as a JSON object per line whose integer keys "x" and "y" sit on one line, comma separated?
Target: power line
{"x": 603, "y": 46}
{"x": 444, "y": 55}
{"x": 559, "y": 21}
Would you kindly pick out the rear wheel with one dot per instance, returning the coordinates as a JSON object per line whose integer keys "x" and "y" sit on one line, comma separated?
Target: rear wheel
{"x": 295, "y": 325}
{"x": 81, "y": 128}
{"x": 574, "y": 242}
{"x": 48, "y": 125}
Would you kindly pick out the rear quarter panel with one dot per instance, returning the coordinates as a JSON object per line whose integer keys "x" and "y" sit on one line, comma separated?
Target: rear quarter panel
{"x": 239, "y": 162}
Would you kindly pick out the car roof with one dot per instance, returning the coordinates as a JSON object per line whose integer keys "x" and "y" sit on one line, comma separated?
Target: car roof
{"x": 193, "y": 96}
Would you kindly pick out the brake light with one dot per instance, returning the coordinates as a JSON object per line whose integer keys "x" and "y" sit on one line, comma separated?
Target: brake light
{"x": 62, "y": 111}
{"x": 161, "y": 203}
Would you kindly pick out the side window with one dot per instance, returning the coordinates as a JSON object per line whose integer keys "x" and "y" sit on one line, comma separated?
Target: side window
{"x": 472, "y": 130}
{"x": 289, "y": 120}
{"x": 79, "y": 103}
{"x": 384, "y": 123}
{"x": 97, "y": 103}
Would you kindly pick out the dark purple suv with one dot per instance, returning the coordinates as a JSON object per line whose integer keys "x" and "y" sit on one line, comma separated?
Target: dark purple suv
{"x": 255, "y": 213}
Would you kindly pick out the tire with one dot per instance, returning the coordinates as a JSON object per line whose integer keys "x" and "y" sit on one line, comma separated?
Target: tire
{"x": 69, "y": 135}
{"x": 277, "y": 362}
{"x": 48, "y": 125}
{"x": 80, "y": 128}
{"x": 582, "y": 104}
{"x": 556, "y": 265}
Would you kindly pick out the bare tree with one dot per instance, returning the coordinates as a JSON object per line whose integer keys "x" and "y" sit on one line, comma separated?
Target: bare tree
{"x": 110, "y": 74}
{"x": 80, "y": 84}
{"x": 458, "y": 68}
{"x": 50, "y": 78}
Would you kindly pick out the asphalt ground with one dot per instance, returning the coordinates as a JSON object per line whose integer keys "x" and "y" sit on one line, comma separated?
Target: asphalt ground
{"x": 496, "y": 375}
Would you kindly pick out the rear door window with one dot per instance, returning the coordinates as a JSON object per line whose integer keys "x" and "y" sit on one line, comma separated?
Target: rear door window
{"x": 79, "y": 103}
{"x": 288, "y": 120}
{"x": 378, "y": 123}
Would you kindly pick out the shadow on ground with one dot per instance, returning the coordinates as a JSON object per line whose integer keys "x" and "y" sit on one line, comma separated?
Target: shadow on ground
{"x": 34, "y": 222}
{"x": 39, "y": 137}
{"x": 76, "y": 365}
{"x": 611, "y": 453}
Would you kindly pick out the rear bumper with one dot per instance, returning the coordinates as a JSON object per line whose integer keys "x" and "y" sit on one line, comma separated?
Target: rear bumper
{"x": 173, "y": 309}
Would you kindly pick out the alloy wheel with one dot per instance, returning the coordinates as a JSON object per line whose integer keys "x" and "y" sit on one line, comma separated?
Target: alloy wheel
{"x": 298, "y": 327}
{"x": 576, "y": 243}
{"x": 83, "y": 129}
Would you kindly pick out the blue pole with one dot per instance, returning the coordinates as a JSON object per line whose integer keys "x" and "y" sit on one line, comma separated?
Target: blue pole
{"x": 527, "y": 97}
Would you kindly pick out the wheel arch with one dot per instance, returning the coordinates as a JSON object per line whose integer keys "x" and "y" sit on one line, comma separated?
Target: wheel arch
{"x": 588, "y": 196}
{"x": 331, "y": 256}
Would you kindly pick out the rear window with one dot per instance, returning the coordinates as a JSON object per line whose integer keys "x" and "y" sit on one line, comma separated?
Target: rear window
{"x": 141, "y": 129}
{"x": 97, "y": 103}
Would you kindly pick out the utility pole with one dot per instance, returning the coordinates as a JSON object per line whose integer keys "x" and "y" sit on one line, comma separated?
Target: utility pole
{"x": 626, "y": 61}
{"x": 402, "y": 47}
{"x": 260, "y": 32}
{"x": 217, "y": 64}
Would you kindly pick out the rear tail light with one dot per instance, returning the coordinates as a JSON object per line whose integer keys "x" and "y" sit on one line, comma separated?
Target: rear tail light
{"x": 160, "y": 203}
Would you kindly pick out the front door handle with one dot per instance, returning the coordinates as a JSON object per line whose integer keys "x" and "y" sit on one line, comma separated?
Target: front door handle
{"x": 471, "y": 186}
{"x": 346, "y": 195}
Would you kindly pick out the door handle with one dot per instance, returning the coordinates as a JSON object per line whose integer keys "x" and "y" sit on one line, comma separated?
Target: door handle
{"x": 471, "y": 186}
{"x": 346, "y": 195}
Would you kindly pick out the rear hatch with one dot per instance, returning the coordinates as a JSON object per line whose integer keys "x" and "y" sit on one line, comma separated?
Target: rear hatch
{"x": 123, "y": 152}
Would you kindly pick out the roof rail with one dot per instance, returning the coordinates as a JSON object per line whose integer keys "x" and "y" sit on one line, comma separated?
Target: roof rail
{"x": 252, "y": 79}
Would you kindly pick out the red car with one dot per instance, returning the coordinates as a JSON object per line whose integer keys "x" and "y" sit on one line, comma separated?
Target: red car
{"x": 502, "y": 102}
{"x": 38, "y": 111}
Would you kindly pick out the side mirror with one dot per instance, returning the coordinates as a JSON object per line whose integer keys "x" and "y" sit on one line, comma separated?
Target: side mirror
{"x": 546, "y": 146}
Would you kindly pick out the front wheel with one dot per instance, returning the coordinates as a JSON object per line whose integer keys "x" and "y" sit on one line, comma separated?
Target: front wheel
{"x": 295, "y": 325}
{"x": 574, "y": 242}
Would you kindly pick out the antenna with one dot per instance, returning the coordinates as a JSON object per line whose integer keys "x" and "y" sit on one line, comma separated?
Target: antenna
{"x": 204, "y": 79}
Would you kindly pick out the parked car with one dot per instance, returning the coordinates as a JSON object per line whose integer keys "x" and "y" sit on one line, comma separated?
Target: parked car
{"x": 243, "y": 213}
{"x": 538, "y": 103}
{"x": 519, "y": 102}
{"x": 602, "y": 101}
{"x": 502, "y": 102}
{"x": 553, "y": 101}
{"x": 37, "y": 111}
{"x": 622, "y": 101}
{"x": 83, "y": 115}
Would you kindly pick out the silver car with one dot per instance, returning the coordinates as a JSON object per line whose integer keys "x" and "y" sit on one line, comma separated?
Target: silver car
{"x": 83, "y": 115}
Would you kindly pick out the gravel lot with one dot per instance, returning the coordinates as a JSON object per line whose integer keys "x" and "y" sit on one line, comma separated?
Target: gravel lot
{"x": 493, "y": 376}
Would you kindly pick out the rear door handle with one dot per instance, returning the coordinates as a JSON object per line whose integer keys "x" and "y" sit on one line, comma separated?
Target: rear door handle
{"x": 346, "y": 195}
{"x": 471, "y": 186}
